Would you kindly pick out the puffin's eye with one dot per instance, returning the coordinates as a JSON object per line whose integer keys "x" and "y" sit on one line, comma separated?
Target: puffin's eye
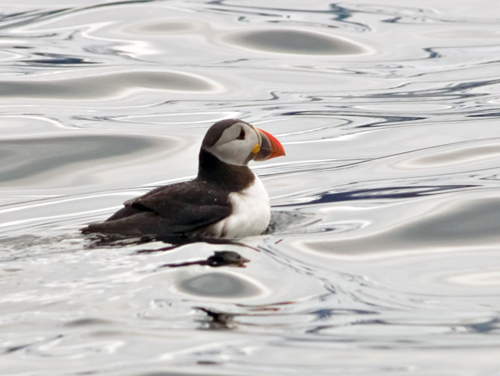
{"x": 241, "y": 135}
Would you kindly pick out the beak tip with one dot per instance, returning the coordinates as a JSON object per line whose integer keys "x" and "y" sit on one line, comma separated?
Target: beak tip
{"x": 274, "y": 149}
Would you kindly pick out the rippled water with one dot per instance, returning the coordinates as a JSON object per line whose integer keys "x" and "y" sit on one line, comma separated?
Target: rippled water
{"x": 383, "y": 254}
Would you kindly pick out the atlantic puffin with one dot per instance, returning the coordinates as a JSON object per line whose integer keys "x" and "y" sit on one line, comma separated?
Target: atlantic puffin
{"x": 226, "y": 200}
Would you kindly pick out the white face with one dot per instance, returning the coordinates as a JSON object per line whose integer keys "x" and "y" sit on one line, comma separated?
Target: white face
{"x": 236, "y": 144}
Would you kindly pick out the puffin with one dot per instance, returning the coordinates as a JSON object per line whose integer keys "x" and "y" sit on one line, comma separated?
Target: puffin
{"x": 226, "y": 200}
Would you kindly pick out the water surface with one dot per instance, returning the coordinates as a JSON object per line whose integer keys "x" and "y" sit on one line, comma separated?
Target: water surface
{"x": 382, "y": 257}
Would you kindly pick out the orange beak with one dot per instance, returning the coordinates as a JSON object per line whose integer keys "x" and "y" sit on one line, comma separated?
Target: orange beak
{"x": 269, "y": 148}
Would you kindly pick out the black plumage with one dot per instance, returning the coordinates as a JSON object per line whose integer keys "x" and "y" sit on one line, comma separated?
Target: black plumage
{"x": 187, "y": 209}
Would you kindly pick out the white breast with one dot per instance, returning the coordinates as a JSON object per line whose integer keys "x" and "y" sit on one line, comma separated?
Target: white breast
{"x": 251, "y": 213}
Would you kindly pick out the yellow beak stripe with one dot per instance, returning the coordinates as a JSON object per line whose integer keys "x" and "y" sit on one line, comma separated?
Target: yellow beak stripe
{"x": 256, "y": 149}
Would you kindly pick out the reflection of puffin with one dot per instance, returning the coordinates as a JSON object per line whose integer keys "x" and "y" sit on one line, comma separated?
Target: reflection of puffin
{"x": 225, "y": 201}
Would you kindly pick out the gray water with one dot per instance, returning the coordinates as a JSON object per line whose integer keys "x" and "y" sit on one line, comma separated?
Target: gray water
{"x": 383, "y": 257}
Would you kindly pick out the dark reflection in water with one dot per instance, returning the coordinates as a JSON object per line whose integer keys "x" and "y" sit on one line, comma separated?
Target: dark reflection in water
{"x": 58, "y": 59}
{"x": 217, "y": 320}
{"x": 490, "y": 326}
{"x": 384, "y": 256}
{"x": 218, "y": 259}
{"x": 400, "y": 192}
{"x": 16, "y": 19}
{"x": 90, "y": 321}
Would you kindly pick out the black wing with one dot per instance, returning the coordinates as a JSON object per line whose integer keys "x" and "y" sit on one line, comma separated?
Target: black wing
{"x": 171, "y": 210}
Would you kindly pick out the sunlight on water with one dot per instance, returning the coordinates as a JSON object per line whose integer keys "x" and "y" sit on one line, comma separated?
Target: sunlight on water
{"x": 382, "y": 255}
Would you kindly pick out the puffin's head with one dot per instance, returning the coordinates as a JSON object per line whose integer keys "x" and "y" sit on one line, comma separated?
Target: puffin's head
{"x": 235, "y": 142}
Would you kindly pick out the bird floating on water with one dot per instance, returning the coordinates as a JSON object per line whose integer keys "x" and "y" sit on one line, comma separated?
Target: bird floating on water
{"x": 225, "y": 201}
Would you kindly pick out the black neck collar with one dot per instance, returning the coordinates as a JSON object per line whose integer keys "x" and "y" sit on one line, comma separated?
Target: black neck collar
{"x": 231, "y": 177}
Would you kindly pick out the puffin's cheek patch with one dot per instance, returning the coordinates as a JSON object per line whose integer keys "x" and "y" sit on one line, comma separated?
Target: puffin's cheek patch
{"x": 256, "y": 149}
